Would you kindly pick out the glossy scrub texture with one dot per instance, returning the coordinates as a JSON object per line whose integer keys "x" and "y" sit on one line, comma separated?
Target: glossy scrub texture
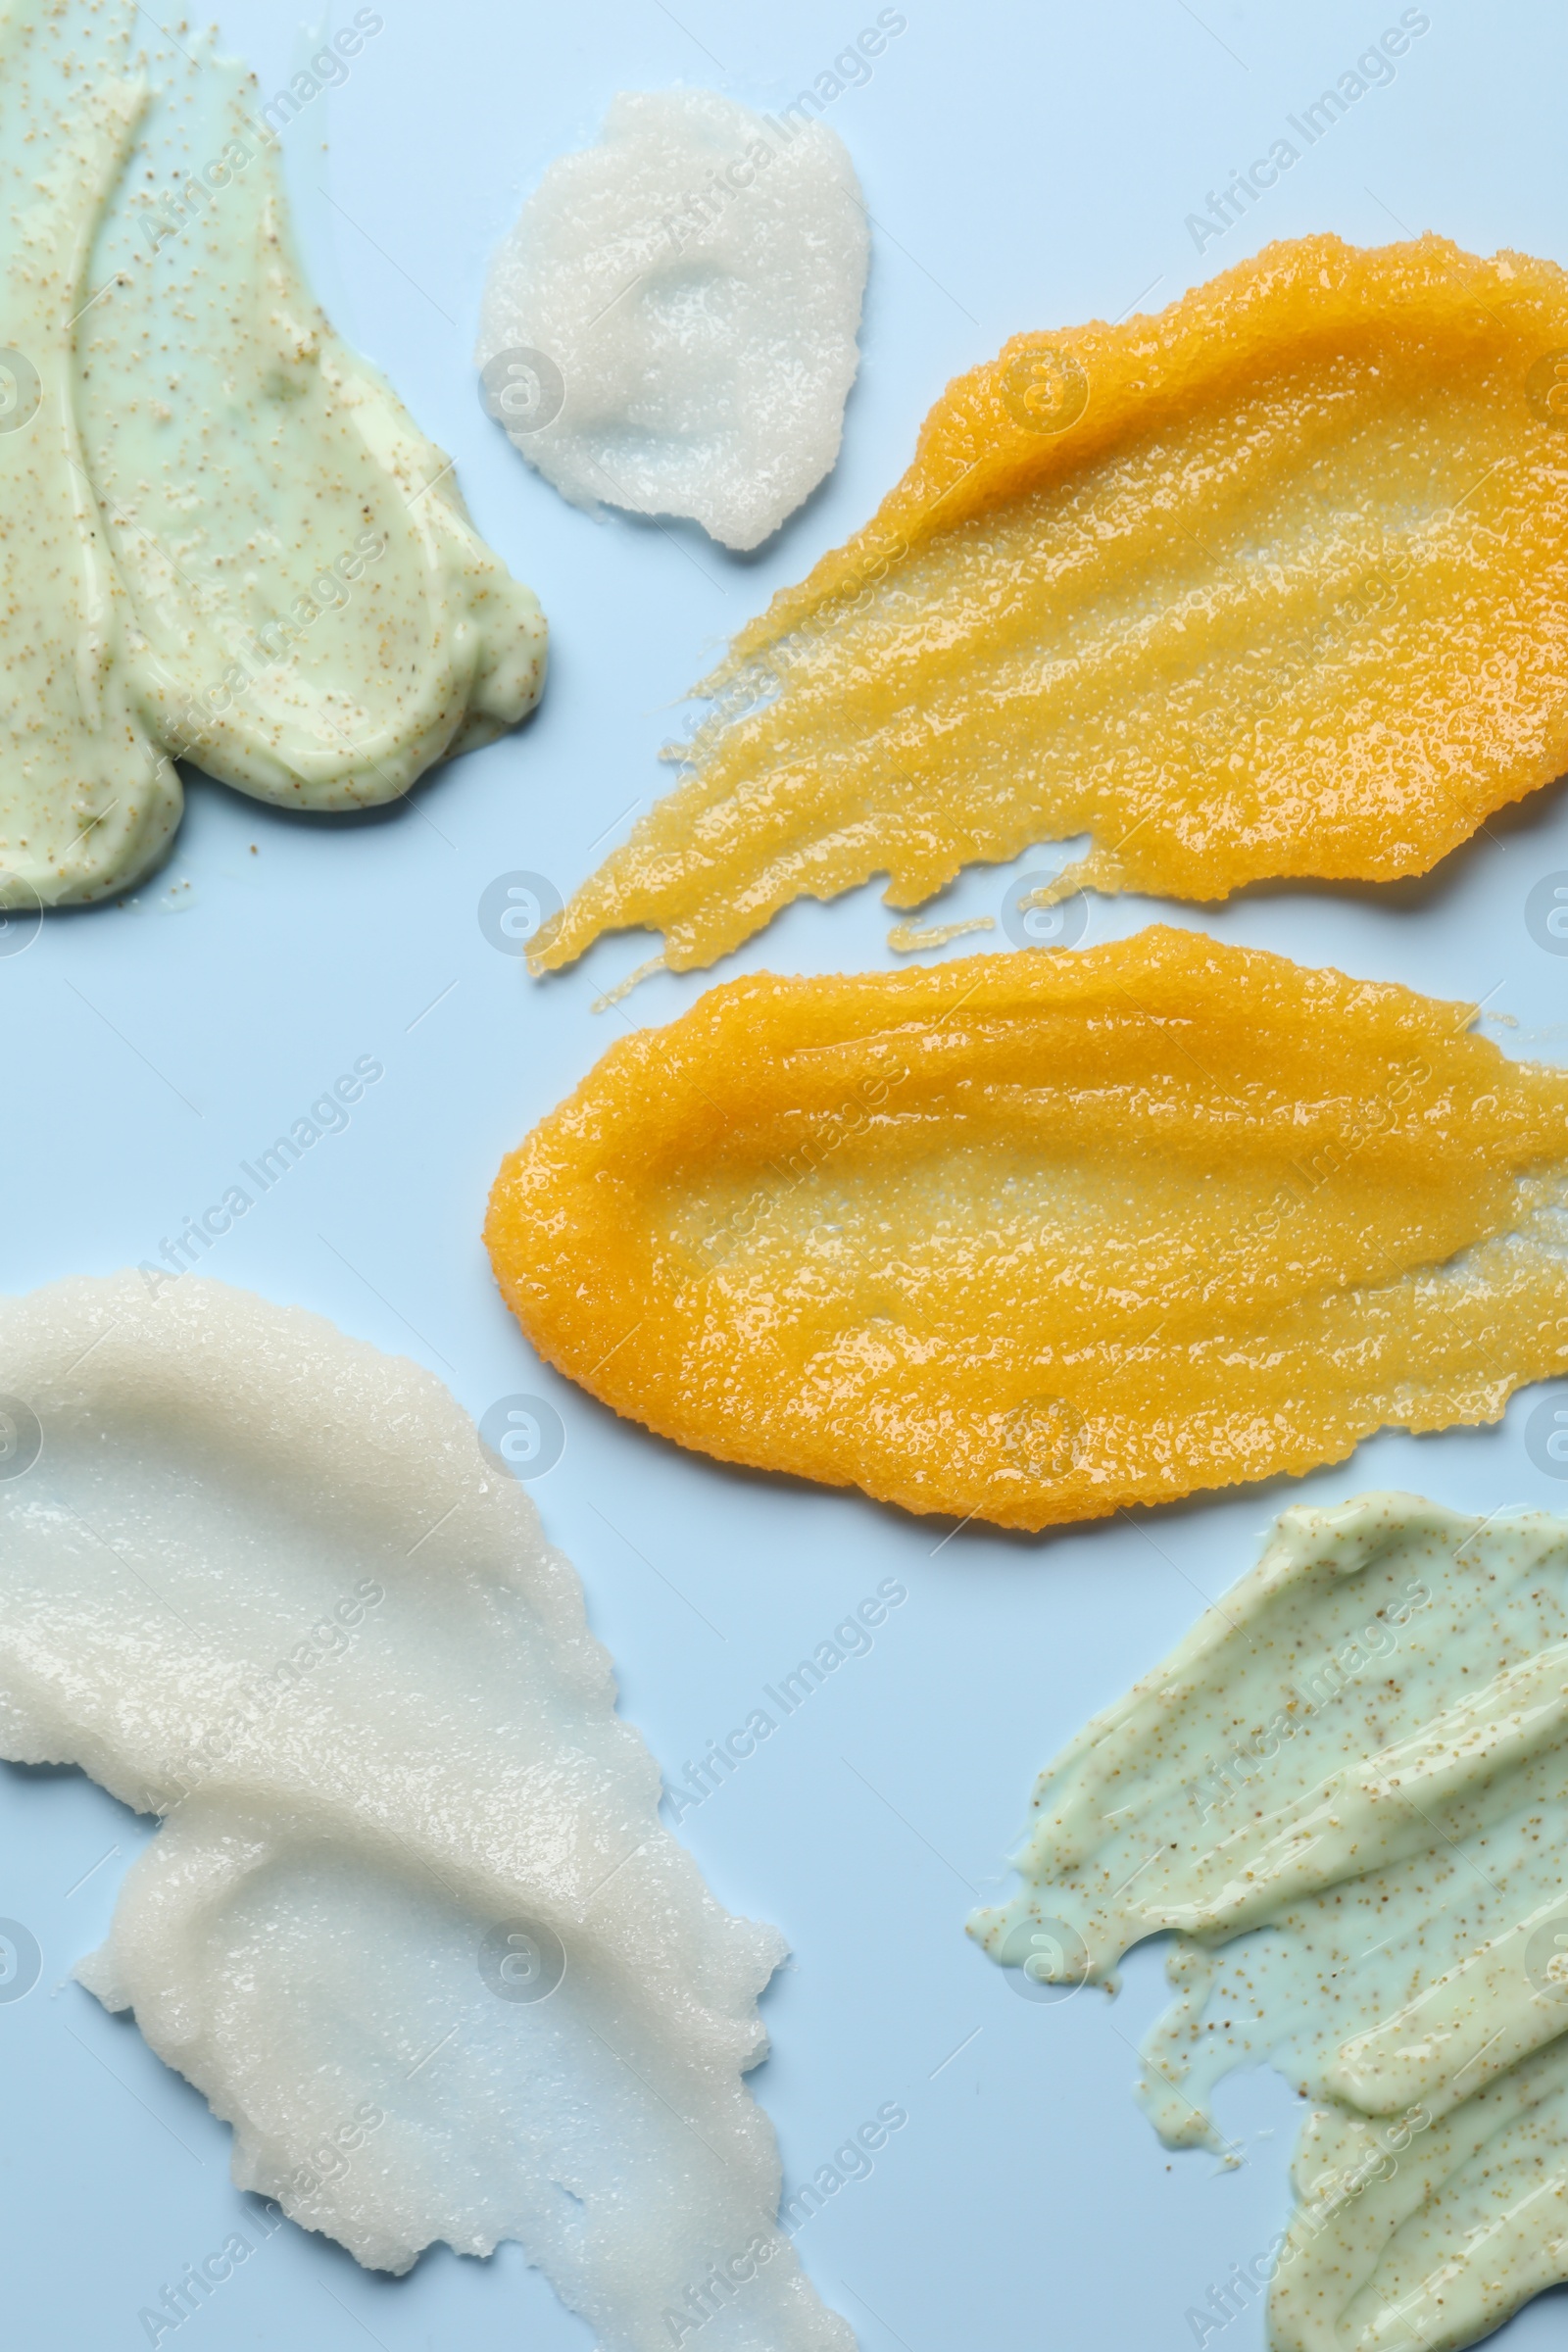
{"x": 411, "y": 1923}
{"x": 1036, "y": 1236}
{"x": 1273, "y": 584}
{"x": 671, "y": 327}
{"x": 1347, "y": 1793}
{"x": 221, "y": 537}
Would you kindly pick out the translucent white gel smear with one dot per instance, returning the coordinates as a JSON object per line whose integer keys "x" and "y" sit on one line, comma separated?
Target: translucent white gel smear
{"x": 221, "y": 535}
{"x": 1346, "y": 1793}
{"x": 260, "y": 1579}
{"x": 671, "y": 324}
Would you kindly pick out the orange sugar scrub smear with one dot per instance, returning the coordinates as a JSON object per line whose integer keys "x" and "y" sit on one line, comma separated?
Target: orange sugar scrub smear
{"x": 1032, "y": 1237}
{"x": 1274, "y": 584}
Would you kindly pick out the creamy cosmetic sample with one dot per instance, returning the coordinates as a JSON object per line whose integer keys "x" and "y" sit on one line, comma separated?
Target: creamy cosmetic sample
{"x": 671, "y": 324}
{"x": 411, "y": 1923}
{"x": 226, "y": 539}
{"x": 1272, "y": 583}
{"x": 1346, "y": 1793}
{"x": 1035, "y": 1237}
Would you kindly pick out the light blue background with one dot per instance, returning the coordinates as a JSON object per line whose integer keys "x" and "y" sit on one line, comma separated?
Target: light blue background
{"x": 1025, "y": 166}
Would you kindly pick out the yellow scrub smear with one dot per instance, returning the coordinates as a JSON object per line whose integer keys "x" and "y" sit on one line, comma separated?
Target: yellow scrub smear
{"x": 1273, "y": 584}
{"x": 1032, "y": 1237}
{"x": 1346, "y": 1793}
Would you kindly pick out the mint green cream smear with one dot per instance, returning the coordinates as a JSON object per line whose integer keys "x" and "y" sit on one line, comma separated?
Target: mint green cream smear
{"x": 1347, "y": 1793}
{"x": 221, "y": 535}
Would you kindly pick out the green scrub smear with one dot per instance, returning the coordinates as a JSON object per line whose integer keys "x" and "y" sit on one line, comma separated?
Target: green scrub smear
{"x": 1347, "y": 1793}
{"x": 221, "y": 537}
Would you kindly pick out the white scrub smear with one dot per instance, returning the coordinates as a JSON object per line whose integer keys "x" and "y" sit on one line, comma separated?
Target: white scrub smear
{"x": 670, "y": 326}
{"x": 412, "y": 1923}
